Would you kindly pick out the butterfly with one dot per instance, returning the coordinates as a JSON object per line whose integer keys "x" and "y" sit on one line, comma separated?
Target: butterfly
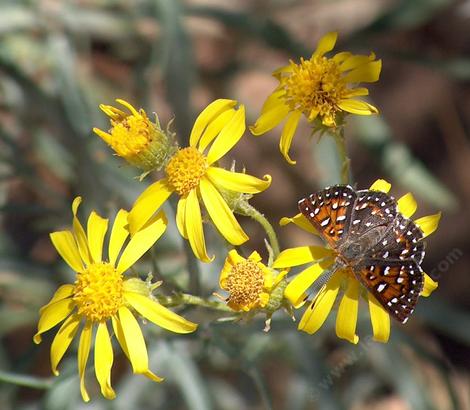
{"x": 371, "y": 238}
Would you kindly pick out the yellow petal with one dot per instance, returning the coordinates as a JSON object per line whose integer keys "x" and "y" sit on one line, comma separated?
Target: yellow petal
{"x": 237, "y": 181}
{"x": 280, "y": 276}
{"x": 355, "y": 61}
{"x": 52, "y": 315}
{"x": 96, "y": 230}
{"x": 326, "y": 43}
{"x": 83, "y": 353}
{"x": 278, "y": 73}
{"x": 135, "y": 342}
{"x": 429, "y": 286}
{"x": 103, "y": 135}
{"x": 119, "y": 234}
{"x": 65, "y": 244}
{"x": 270, "y": 119}
{"x": 230, "y": 261}
{"x": 159, "y": 314}
{"x": 129, "y": 106}
{"x": 338, "y": 58}
{"x": 255, "y": 256}
{"x": 346, "y": 319}
{"x": 380, "y": 320}
{"x": 428, "y": 224}
{"x": 142, "y": 241}
{"x": 366, "y": 73}
{"x": 148, "y": 203}
{"x": 112, "y": 112}
{"x": 300, "y": 221}
{"x": 356, "y": 92}
{"x": 357, "y": 107}
{"x": 104, "y": 360}
{"x": 194, "y": 228}
{"x": 318, "y": 311}
{"x": 228, "y": 137}
{"x": 214, "y": 128}
{"x": 295, "y": 290}
{"x": 288, "y": 134}
{"x": 152, "y": 376}
{"x": 63, "y": 292}
{"x": 274, "y": 98}
{"x": 221, "y": 214}
{"x": 300, "y": 255}
{"x": 381, "y": 185}
{"x": 407, "y": 205}
{"x": 212, "y": 111}
{"x": 79, "y": 233}
{"x": 62, "y": 341}
{"x": 180, "y": 215}
{"x": 263, "y": 299}
{"x": 118, "y": 331}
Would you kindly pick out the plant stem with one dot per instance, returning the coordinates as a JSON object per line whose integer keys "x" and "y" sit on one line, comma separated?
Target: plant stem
{"x": 27, "y": 381}
{"x": 187, "y": 299}
{"x": 345, "y": 161}
{"x": 244, "y": 208}
{"x": 261, "y": 387}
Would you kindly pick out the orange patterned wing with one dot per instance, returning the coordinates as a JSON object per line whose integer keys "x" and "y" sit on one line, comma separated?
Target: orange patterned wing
{"x": 395, "y": 284}
{"x": 329, "y": 211}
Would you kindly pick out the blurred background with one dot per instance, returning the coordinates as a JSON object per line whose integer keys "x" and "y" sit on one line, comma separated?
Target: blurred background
{"x": 60, "y": 59}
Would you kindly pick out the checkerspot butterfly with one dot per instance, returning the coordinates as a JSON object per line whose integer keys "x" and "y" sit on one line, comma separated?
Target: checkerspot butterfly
{"x": 372, "y": 239}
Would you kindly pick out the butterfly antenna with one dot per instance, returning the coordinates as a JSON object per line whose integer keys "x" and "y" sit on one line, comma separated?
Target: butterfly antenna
{"x": 324, "y": 278}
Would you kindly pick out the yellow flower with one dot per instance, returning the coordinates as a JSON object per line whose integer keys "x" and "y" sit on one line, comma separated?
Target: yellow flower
{"x": 248, "y": 281}
{"x": 135, "y": 138}
{"x": 320, "y": 88}
{"x": 101, "y": 293}
{"x": 195, "y": 176}
{"x": 321, "y": 258}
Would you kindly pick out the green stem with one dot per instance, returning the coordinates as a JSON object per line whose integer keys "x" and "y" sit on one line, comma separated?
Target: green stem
{"x": 261, "y": 387}
{"x": 246, "y": 209}
{"x": 342, "y": 152}
{"x": 187, "y": 299}
{"x": 27, "y": 381}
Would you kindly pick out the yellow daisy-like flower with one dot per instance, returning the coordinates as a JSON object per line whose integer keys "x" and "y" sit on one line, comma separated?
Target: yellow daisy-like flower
{"x": 321, "y": 258}
{"x": 248, "y": 281}
{"x": 135, "y": 138}
{"x": 321, "y": 88}
{"x": 101, "y": 293}
{"x": 195, "y": 176}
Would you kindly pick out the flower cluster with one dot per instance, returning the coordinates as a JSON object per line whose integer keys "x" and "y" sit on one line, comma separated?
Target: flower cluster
{"x": 103, "y": 293}
{"x": 104, "y": 296}
{"x": 320, "y": 88}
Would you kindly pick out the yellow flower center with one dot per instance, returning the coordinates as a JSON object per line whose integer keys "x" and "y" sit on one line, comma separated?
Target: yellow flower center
{"x": 314, "y": 87}
{"x": 131, "y": 134}
{"x": 245, "y": 283}
{"x": 185, "y": 169}
{"x": 98, "y": 292}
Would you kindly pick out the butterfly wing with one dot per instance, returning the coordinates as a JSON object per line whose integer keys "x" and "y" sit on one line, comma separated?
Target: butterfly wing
{"x": 395, "y": 284}
{"x": 371, "y": 210}
{"x": 403, "y": 241}
{"x": 329, "y": 211}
